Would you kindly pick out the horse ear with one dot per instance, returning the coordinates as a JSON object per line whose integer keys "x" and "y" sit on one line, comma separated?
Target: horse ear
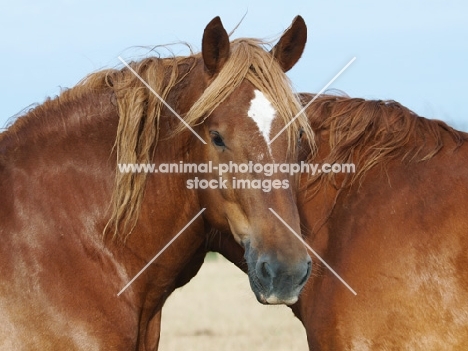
{"x": 289, "y": 48}
{"x": 215, "y": 46}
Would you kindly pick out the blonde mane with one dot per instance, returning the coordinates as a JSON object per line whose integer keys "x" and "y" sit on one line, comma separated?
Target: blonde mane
{"x": 371, "y": 133}
{"x": 138, "y": 129}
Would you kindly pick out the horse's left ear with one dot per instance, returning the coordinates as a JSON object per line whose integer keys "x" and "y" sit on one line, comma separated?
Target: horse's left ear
{"x": 289, "y": 48}
{"x": 215, "y": 46}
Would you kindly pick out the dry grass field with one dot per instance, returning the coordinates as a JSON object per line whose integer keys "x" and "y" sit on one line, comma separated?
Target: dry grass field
{"x": 218, "y": 311}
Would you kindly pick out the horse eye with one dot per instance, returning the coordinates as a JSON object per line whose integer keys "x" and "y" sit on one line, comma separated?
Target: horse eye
{"x": 217, "y": 140}
{"x": 301, "y": 133}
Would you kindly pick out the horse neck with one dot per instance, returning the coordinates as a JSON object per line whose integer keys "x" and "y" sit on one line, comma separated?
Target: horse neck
{"x": 67, "y": 143}
{"x": 58, "y": 163}
{"x": 428, "y": 150}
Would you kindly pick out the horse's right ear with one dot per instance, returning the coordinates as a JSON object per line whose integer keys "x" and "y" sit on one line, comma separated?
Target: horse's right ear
{"x": 215, "y": 46}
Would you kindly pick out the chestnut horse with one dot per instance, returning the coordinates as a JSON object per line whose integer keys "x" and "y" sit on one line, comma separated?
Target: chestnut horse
{"x": 62, "y": 188}
{"x": 396, "y": 230}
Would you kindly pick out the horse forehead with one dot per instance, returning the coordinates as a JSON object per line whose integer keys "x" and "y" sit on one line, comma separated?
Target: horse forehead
{"x": 263, "y": 113}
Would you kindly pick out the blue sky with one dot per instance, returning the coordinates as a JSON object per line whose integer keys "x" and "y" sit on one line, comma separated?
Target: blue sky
{"x": 415, "y": 52}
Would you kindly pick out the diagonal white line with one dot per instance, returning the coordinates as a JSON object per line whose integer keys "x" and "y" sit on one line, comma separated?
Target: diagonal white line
{"x": 162, "y": 100}
{"x": 312, "y": 250}
{"x": 160, "y": 252}
{"x": 311, "y": 101}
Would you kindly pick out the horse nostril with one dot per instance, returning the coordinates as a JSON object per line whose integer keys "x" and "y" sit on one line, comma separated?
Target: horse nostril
{"x": 308, "y": 271}
{"x": 265, "y": 270}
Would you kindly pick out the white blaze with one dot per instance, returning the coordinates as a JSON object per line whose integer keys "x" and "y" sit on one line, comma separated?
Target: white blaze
{"x": 263, "y": 113}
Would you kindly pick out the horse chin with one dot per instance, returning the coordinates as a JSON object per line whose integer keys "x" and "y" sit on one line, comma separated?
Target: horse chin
{"x": 274, "y": 300}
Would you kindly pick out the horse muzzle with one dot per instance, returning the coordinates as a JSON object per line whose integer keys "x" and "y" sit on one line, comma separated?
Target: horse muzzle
{"x": 276, "y": 281}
